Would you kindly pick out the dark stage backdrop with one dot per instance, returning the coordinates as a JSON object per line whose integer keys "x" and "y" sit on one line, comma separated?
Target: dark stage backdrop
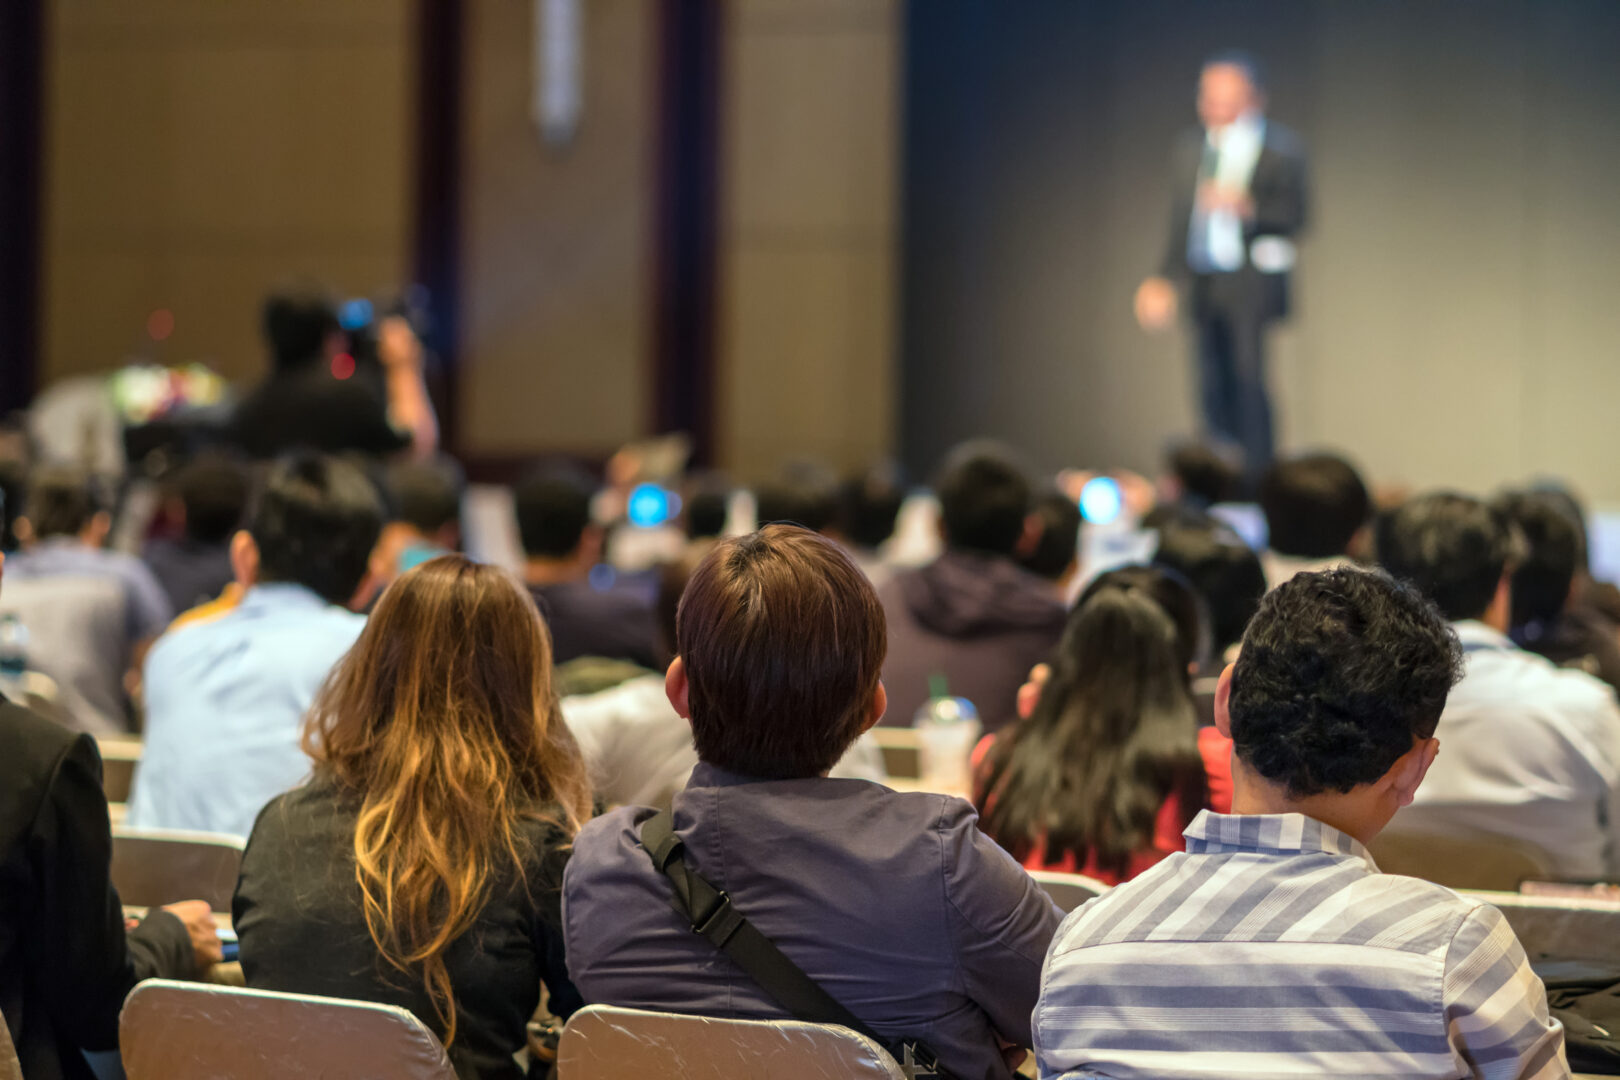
{"x": 1458, "y": 304}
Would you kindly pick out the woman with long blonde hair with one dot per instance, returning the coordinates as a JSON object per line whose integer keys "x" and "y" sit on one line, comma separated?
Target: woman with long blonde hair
{"x": 421, "y": 864}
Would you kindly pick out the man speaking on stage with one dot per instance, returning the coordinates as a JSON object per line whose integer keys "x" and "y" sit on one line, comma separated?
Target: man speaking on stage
{"x": 1239, "y": 201}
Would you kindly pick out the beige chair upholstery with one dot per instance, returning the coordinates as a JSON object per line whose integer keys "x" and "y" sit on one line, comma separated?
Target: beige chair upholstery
{"x": 10, "y": 1067}
{"x": 1493, "y": 863}
{"x": 605, "y": 1043}
{"x": 151, "y": 867}
{"x": 118, "y": 760}
{"x": 901, "y": 758}
{"x": 1553, "y": 926}
{"x": 189, "y": 1031}
{"x": 1068, "y": 891}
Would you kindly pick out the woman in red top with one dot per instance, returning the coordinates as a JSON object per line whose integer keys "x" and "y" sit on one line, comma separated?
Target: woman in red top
{"x": 1107, "y": 769}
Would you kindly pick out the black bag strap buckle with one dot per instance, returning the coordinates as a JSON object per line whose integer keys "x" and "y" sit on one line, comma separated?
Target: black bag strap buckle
{"x": 720, "y": 923}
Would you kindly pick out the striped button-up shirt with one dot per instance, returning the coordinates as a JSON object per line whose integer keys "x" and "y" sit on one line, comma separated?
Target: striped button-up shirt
{"x": 1273, "y": 947}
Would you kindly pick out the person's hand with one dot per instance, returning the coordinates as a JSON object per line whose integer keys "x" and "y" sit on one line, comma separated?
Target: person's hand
{"x": 1029, "y": 695}
{"x": 1013, "y": 1055}
{"x": 199, "y": 920}
{"x": 398, "y": 347}
{"x": 1155, "y": 304}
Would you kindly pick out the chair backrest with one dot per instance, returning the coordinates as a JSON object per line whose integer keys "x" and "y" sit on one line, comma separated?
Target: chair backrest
{"x": 1459, "y": 860}
{"x": 606, "y": 1043}
{"x": 118, "y": 760}
{"x": 1555, "y": 926}
{"x": 1068, "y": 891}
{"x": 151, "y": 867}
{"x": 901, "y": 756}
{"x": 193, "y": 1031}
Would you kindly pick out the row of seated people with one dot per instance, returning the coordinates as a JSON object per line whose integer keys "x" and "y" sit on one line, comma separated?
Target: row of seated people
{"x": 443, "y": 855}
{"x": 321, "y": 488}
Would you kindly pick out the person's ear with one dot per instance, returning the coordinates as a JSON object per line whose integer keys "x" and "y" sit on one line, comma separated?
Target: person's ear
{"x": 1030, "y": 538}
{"x": 95, "y": 531}
{"x": 677, "y": 689}
{"x": 23, "y": 529}
{"x": 1223, "y": 702}
{"x": 590, "y": 545}
{"x": 244, "y": 559}
{"x": 879, "y": 706}
{"x": 1408, "y": 772}
{"x": 1029, "y": 695}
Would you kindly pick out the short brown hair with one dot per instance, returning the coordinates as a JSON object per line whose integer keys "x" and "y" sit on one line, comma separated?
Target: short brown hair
{"x": 783, "y": 641}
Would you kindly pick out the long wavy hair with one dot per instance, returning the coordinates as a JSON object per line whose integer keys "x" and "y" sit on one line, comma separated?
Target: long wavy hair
{"x": 443, "y": 722}
{"x": 1114, "y": 734}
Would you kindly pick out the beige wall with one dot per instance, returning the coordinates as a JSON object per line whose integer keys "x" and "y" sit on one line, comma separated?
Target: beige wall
{"x": 809, "y": 138}
{"x": 557, "y": 243}
{"x": 197, "y": 152}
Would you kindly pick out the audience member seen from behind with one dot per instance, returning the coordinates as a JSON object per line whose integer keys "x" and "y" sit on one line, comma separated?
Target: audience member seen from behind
{"x": 1224, "y": 571}
{"x": 561, "y": 546}
{"x": 421, "y": 865}
{"x": 1055, "y": 552}
{"x": 1550, "y": 615}
{"x": 706, "y": 506}
{"x": 1105, "y": 772}
{"x": 1532, "y": 751}
{"x": 802, "y": 493}
{"x": 868, "y": 506}
{"x": 1198, "y": 475}
{"x": 66, "y": 962}
{"x": 209, "y": 501}
{"x": 90, "y": 613}
{"x": 1317, "y": 513}
{"x": 894, "y": 903}
{"x": 1275, "y": 916}
{"x": 973, "y": 615}
{"x": 638, "y": 748}
{"x": 313, "y": 400}
{"x": 225, "y": 697}
{"x": 423, "y": 501}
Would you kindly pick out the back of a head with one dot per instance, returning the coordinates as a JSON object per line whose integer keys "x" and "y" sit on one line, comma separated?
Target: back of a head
{"x": 60, "y": 501}
{"x": 1340, "y": 672}
{"x": 1057, "y": 547}
{"x": 1223, "y": 570}
{"x": 1206, "y": 474}
{"x": 783, "y": 640}
{"x": 553, "y": 510}
{"x": 298, "y": 319}
{"x": 442, "y": 721}
{"x": 315, "y": 524}
{"x": 869, "y": 506}
{"x": 1114, "y": 732}
{"x": 706, "y": 506}
{"x": 1555, "y": 552}
{"x": 214, "y": 491}
{"x": 426, "y": 495}
{"x": 984, "y": 498}
{"x": 1452, "y": 548}
{"x": 803, "y": 493}
{"x": 1315, "y": 504}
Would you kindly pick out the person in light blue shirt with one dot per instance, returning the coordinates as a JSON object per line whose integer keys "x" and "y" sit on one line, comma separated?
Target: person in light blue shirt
{"x": 225, "y": 699}
{"x": 90, "y": 613}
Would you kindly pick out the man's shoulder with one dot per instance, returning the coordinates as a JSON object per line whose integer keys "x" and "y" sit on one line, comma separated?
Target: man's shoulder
{"x": 27, "y": 738}
{"x": 1516, "y": 680}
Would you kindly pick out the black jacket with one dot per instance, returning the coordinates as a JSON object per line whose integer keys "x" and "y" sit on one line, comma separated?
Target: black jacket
{"x": 1279, "y": 191}
{"x": 298, "y": 915}
{"x": 66, "y": 964}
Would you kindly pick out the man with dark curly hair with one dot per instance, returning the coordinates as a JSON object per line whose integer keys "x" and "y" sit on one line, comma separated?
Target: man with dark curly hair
{"x": 1273, "y": 946}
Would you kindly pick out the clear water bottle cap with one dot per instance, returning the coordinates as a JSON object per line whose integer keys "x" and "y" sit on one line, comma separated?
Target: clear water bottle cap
{"x": 947, "y": 710}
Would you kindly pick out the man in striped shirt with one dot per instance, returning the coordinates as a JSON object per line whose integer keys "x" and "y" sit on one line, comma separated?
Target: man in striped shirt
{"x": 1273, "y": 947}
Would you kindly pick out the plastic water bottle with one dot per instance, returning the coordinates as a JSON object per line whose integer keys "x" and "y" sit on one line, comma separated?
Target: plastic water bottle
{"x": 947, "y": 731}
{"x": 13, "y": 647}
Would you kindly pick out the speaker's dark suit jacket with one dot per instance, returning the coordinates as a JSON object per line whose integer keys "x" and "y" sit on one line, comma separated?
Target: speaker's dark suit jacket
{"x": 1278, "y": 190}
{"x": 66, "y": 964}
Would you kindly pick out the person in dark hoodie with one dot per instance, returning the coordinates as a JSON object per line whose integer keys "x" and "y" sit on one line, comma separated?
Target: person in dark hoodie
{"x": 973, "y": 617}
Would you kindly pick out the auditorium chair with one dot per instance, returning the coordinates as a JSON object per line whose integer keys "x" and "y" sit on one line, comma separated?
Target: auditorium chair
{"x": 1068, "y": 891}
{"x": 187, "y": 1031}
{"x": 153, "y": 867}
{"x": 1459, "y": 860}
{"x": 1559, "y": 927}
{"x": 119, "y": 756}
{"x": 601, "y": 1042}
